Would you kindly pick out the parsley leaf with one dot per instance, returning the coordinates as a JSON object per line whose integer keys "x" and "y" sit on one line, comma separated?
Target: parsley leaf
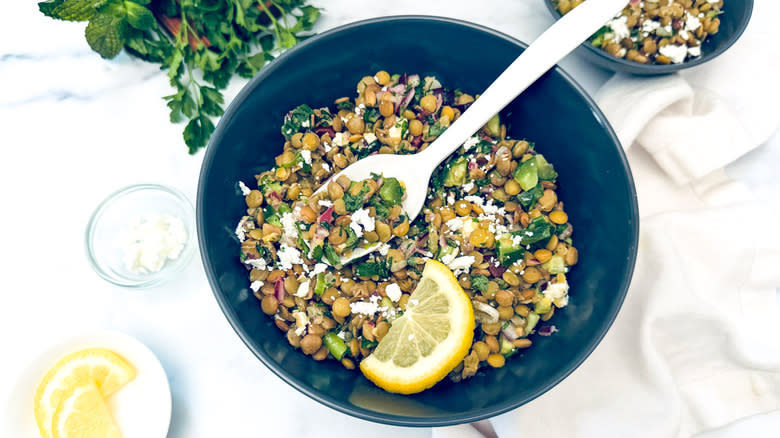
{"x": 354, "y": 202}
{"x": 480, "y": 283}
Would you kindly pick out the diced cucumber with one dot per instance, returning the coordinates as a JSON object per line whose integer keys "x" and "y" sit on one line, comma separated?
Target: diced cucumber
{"x": 530, "y": 322}
{"x": 507, "y": 349}
{"x": 493, "y": 126}
{"x": 507, "y": 252}
{"x": 456, "y": 173}
{"x": 555, "y": 265}
{"x": 335, "y": 345}
{"x": 542, "y": 306}
{"x": 527, "y": 174}
{"x": 391, "y": 191}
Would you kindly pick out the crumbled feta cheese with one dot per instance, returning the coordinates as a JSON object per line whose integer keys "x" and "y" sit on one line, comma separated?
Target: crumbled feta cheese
{"x": 241, "y": 229}
{"x": 288, "y": 257}
{"x": 619, "y": 28}
{"x": 319, "y": 268}
{"x": 394, "y": 132}
{"x": 369, "y": 137}
{"x": 471, "y": 142}
{"x": 449, "y": 257}
{"x": 468, "y": 186}
{"x": 676, "y": 53}
{"x": 303, "y": 289}
{"x": 556, "y": 290}
{"x": 393, "y": 292}
{"x": 455, "y": 224}
{"x": 516, "y": 240}
{"x": 356, "y": 228}
{"x": 327, "y": 146}
{"x": 462, "y": 262}
{"x": 450, "y": 199}
{"x": 684, "y": 34}
{"x": 369, "y": 307}
{"x": 150, "y": 241}
{"x": 383, "y": 249}
{"x": 475, "y": 199}
{"x": 363, "y": 218}
{"x": 288, "y": 225}
{"x": 650, "y": 26}
{"x": 342, "y": 335}
{"x": 694, "y": 51}
{"x": 256, "y": 263}
{"x": 306, "y": 155}
{"x": 340, "y": 139}
{"x": 325, "y": 203}
{"x": 244, "y": 189}
{"x": 305, "y": 123}
{"x": 326, "y": 166}
{"x": 692, "y": 23}
{"x": 256, "y": 285}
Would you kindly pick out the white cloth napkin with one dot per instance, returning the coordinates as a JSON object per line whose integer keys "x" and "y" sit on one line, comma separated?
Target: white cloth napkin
{"x": 695, "y": 348}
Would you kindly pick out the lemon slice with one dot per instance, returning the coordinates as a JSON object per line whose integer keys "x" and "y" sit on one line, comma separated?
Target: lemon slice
{"x": 103, "y": 368}
{"x": 429, "y": 340}
{"x": 82, "y": 413}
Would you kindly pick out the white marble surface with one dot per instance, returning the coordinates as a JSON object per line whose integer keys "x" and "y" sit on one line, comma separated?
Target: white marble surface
{"x": 74, "y": 128}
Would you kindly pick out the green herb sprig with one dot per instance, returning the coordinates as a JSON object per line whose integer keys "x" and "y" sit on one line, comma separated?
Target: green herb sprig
{"x": 202, "y": 44}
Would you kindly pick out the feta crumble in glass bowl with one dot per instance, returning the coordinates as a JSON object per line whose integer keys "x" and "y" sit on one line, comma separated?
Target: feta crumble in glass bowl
{"x": 141, "y": 236}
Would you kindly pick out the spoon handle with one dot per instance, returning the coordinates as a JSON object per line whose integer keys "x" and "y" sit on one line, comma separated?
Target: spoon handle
{"x": 551, "y": 46}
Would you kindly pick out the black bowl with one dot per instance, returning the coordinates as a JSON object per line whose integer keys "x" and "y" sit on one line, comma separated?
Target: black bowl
{"x": 733, "y": 21}
{"x": 595, "y": 183}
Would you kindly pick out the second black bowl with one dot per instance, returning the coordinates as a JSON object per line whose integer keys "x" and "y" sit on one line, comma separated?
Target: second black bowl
{"x": 733, "y": 22}
{"x": 594, "y": 178}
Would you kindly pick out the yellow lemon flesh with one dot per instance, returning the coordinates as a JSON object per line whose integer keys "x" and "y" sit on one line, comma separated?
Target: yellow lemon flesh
{"x": 82, "y": 413}
{"x": 100, "y": 367}
{"x": 428, "y": 340}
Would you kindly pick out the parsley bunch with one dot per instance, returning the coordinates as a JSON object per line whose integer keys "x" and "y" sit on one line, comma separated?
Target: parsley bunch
{"x": 202, "y": 44}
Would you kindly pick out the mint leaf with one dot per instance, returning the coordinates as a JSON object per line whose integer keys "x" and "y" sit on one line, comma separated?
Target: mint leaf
{"x": 138, "y": 16}
{"x": 70, "y": 10}
{"x": 104, "y": 36}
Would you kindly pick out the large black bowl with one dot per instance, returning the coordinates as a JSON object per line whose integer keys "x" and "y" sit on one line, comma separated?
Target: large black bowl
{"x": 595, "y": 184}
{"x": 733, "y": 21}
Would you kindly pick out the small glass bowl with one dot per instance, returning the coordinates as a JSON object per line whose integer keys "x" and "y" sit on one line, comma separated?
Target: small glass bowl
{"x": 113, "y": 216}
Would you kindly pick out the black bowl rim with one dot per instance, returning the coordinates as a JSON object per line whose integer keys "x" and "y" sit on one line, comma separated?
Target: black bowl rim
{"x": 391, "y": 419}
{"x": 661, "y": 69}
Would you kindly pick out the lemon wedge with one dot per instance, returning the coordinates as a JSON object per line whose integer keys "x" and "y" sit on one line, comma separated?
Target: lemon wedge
{"x": 428, "y": 340}
{"x": 82, "y": 413}
{"x": 100, "y": 367}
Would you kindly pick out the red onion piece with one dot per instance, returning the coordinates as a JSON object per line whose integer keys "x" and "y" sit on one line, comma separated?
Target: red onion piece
{"x": 533, "y": 262}
{"x": 326, "y": 216}
{"x": 510, "y": 333}
{"x": 279, "y": 289}
{"x": 407, "y": 100}
{"x": 323, "y": 129}
{"x": 416, "y": 141}
{"x": 546, "y": 330}
{"x": 398, "y": 89}
{"x": 496, "y": 271}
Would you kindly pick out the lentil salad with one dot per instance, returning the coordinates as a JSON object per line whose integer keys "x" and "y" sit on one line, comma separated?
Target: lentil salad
{"x": 492, "y": 216}
{"x": 656, "y": 31}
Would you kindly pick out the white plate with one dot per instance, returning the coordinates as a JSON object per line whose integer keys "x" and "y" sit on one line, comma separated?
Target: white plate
{"x": 141, "y": 409}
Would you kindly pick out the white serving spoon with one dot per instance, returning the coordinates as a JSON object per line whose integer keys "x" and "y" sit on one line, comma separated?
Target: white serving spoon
{"x": 551, "y": 46}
